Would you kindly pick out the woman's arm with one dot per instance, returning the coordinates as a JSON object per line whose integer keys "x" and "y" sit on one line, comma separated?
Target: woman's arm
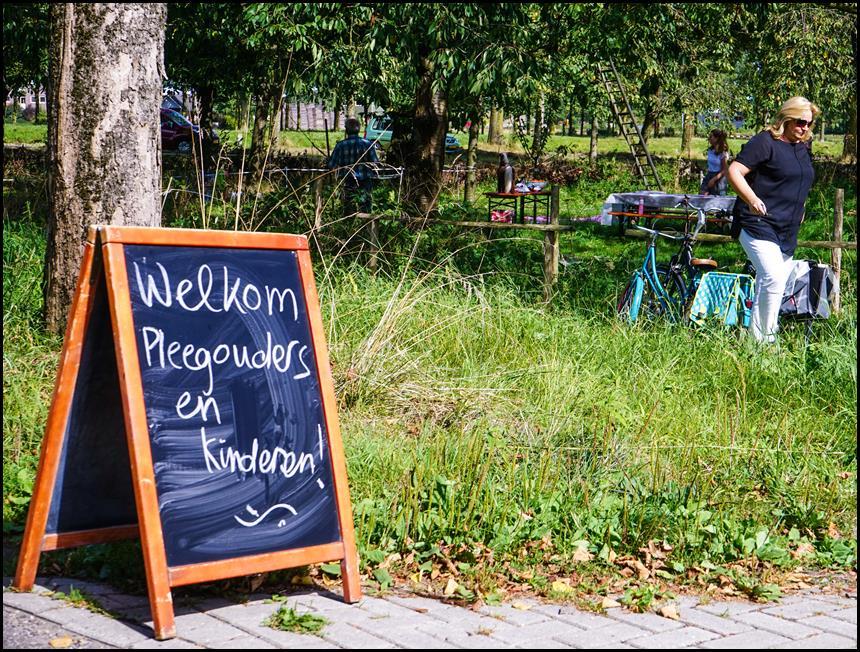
{"x": 737, "y": 172}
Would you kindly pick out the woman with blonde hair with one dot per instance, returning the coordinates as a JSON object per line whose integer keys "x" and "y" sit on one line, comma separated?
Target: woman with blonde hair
{"x": 772, "y": 175}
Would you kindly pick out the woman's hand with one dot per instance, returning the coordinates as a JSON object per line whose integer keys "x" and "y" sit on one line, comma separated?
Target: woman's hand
{"x": 757, "y": 206}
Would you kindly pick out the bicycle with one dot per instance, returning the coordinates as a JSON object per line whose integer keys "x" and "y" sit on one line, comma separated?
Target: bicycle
{"x": 665, "y": 290}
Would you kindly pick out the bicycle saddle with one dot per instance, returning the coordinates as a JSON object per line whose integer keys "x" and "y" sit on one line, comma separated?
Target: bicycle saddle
{"x": 704, "y": 263}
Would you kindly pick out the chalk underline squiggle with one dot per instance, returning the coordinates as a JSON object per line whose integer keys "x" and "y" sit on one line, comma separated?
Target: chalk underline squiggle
{"x": 266, "y": 513}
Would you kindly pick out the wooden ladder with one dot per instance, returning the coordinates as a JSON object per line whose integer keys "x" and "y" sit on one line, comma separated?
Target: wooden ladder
{"x": 643, "y": 162}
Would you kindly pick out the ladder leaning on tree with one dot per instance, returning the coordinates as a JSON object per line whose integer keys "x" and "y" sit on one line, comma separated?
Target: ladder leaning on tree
{"x": 642, "y": 160}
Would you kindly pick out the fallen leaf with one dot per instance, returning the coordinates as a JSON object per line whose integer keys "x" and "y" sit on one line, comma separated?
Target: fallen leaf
{"x": 451, "y": 586}
{"x": 669, "y": 611}
{"x": 833, "y": 532}
{"x": 803, "y": 550}
{"x": 582, "y": 554}
{"x": 844, "y": 475}
{"x": 562, "y": 586}
{"x": 256, "y": 582}
{"x": 61, "y": 642}
{"x": 522, "y": 606}
{"x": 609, "y": 603}
{"x": 643, "y": 572}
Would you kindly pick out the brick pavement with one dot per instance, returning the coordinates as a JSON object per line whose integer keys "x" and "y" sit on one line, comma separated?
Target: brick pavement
{"x": 810, "y": 620}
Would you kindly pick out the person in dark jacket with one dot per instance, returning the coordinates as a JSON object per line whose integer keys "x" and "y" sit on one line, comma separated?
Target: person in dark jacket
{"x": 772, "y": 175}
{"x": 354, "y": 158}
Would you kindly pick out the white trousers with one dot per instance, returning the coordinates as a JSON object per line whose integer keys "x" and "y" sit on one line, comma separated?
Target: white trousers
{"x": 772, "y": 268}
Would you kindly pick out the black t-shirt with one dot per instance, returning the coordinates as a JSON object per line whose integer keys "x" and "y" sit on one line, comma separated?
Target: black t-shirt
{"x": 780, "y": 175}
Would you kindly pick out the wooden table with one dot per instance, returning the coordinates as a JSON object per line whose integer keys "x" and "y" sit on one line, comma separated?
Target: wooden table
{"x": 517, "y": 202}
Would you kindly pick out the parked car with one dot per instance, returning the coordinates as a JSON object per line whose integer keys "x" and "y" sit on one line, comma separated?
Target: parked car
{"x": 379, "y": 129}
{"x": 177, "y": 132}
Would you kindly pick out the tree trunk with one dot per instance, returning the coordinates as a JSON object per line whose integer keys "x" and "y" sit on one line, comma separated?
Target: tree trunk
{"x": 426, "y": 156}
{"x": 258, "y": 133}
{"x": 821, "y": 130}
{"x": 592, "y": 151}
{"x": 107, "y": 66}
{"x": 206, "y": 94}
{"x": 849, "y": 144}
{"x": 688, "y": 132}
{"x": 649, "y": 125}
{"x": 539, "y": 133}
{"x": 496, "y": 130}
{"x": 471, "y": 160}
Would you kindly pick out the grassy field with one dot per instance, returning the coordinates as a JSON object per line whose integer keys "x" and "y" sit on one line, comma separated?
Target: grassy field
{"x": 522, "y": 444}
{"x": 315, "y": 142}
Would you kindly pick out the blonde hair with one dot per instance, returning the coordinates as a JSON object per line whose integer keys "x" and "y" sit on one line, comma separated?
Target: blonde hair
{"x": 792, "y": 109}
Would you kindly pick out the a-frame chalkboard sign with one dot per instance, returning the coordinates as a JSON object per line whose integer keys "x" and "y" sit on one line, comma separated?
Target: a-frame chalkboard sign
{"x": 194, "y": 407}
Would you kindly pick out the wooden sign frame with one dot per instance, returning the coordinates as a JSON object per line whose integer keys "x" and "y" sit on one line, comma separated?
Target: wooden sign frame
{"x": 104, "y": 254}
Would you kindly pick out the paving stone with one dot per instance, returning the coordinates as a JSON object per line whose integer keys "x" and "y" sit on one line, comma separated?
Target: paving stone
{"x": 170, "y": 644}
{"x": 245, "y": 642}
{"x": 547, "y": 629}
{"x": 583, "y": 619}
{"x": 845, "y": 614}
{"x": 432, "y": 608}
{"x": 753, "y": 639}
{"x": 514, "y": 616}
{"x": 96, "y": 626}
{"x": 822, "y": 642}
{"x": 830, "y": 625}
{"x": 205, "y": 630}
{"x": 649, "y": 621}
{"x": 677, "y": 638}
{"x": 730, "y": 609}
{"x": 31, "y": 602}
{"x": 776, "y": 625}
{"x": 799, "y": 609}
{"x": 413, "y": 638}
{"x": 349, "y": 637}
{"x": 545, "y": 644}
{"x": 609, "y": 636}
{"x": 713, "y": 623}
{"x": 465, "y": 640}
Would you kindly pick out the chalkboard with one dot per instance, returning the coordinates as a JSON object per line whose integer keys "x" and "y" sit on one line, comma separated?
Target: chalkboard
{"x": 232, "y": 401}
{"x": 94, "y": 462}
{"x": 194, "y": 407}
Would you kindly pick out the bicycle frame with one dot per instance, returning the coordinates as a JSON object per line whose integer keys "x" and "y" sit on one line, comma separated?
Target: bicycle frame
{"x": 648, "y": 274}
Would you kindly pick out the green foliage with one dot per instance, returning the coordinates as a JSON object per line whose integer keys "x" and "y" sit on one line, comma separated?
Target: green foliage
{"x": 288, "y": 620}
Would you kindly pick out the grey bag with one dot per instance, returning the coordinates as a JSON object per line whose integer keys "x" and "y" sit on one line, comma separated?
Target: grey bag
{"x": 808, "y": 291}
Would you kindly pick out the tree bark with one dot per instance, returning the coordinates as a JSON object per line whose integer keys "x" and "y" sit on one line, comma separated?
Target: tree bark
{"x": 426, "y": 156}
{"x": 496, "y": 129}
{"x": 471, "y": 160}
{"x": 687, "y": 133}
{"x": 592, "y": 151}
{"x": 104, "y": 141}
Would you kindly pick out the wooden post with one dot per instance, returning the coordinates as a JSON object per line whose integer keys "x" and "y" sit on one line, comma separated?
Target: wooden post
{"x": 318, "y": 203}
{"x": 550, "y": 249}
{"x": 373, "y": 238}
{"x": 836, "y": 253}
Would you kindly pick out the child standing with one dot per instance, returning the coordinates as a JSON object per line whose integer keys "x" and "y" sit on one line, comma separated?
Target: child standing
{"x": 716, "y": 180}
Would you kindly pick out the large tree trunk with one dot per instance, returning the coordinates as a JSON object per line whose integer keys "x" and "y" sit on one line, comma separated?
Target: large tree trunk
{"x": 107, "y": 65}
{"x": 496, "y": 130}
{"x": 426, "y": 157}
{"x": 649, "y": 124}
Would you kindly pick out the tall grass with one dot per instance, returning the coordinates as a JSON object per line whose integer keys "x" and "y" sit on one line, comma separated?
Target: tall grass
{"x": 474, "y": 415}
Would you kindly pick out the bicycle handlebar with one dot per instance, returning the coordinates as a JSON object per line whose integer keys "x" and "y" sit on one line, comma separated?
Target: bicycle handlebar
{"x": 655, "y": 232}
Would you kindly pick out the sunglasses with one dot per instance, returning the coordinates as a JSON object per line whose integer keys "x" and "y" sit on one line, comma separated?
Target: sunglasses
{"x": 802, "y": 123}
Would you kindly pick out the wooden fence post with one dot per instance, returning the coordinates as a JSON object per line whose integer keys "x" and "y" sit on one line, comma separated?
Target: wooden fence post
{"x": 373, "y": 237}
{"x": 550, "y": 249}
{"x": 836, "y": 253}
{"x": 318, "y": 203}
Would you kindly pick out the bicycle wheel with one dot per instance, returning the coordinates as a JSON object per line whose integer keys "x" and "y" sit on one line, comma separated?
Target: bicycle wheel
{"x": 677, "y": 296}
{"x": 631, "y": 298}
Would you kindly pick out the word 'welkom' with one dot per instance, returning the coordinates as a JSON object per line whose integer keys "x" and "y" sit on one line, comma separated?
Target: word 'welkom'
{"x": 222, "y": 295}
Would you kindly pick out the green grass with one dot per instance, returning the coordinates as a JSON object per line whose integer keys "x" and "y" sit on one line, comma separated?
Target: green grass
{"x": 490, "y": 432}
